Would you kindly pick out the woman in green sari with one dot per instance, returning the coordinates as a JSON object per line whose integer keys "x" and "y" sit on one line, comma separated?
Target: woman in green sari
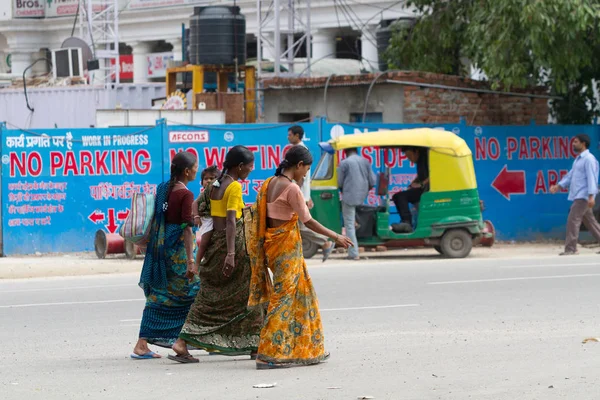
{"x": 219, "y": 321}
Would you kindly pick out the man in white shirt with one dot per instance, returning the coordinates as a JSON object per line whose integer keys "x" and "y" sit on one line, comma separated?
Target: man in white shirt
{"x": 295, "y": 136}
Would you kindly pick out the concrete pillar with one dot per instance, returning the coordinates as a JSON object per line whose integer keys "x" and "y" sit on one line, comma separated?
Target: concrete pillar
{"x": 323, "y": 44}
{"x": 140, "y": 61}
{"x": 368, "y": 44}
{"x": 20, "y": 60}
{"x": 177, "y": 49}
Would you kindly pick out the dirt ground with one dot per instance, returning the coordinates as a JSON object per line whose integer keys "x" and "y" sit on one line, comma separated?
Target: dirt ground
{"x": 74, "y": 264}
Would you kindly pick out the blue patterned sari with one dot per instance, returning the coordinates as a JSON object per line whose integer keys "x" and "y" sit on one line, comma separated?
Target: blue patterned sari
{"x": 169, "y": 294}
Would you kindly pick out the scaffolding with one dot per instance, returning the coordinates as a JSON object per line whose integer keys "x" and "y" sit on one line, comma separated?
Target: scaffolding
{"x": 99, "y": 27}
{"x": 269, "y": 20}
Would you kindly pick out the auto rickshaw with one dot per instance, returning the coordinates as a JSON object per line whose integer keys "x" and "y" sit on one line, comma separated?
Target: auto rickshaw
{"x": 449, "y": 213}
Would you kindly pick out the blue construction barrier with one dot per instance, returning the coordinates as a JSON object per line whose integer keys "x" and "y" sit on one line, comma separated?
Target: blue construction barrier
{"x": 60, "y": 186}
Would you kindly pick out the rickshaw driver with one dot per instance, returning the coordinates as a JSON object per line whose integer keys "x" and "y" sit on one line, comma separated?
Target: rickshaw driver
{"x": 418, "y": 156}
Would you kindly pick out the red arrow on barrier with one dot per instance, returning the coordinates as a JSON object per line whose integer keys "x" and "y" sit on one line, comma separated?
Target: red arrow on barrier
{"x": 122, "y": 215}
{"x": 111, "y": 226}
{"x": 510, "y": 182}
{"x": 96, "y": 216}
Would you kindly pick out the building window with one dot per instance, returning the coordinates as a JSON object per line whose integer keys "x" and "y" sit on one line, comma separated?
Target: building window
{"x": 292, "y": 118}
{"x": 373, "y": 117}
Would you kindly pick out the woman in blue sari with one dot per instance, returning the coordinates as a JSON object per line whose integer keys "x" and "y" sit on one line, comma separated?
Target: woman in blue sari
{"x": 167, "y": 275}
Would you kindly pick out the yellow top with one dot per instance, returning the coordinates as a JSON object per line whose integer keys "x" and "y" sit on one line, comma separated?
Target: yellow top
{"x": 231, "y": 201}
{"x": 437, "y": 140}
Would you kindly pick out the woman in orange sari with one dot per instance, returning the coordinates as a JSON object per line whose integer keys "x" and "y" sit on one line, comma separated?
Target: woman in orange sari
{"x": 292, "y": 334}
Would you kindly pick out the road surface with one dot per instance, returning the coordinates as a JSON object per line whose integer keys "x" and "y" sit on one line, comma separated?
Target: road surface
{"x": 397, "y": 329}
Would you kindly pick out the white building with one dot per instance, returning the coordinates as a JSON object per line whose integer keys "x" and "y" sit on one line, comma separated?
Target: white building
{"x": 343, "y": 28}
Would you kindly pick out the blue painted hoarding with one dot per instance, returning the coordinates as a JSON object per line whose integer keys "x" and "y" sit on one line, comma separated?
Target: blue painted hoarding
{"x": 515, "y": 167}
{"x": 210, "y": 144}
{"x": 60, "y": 186}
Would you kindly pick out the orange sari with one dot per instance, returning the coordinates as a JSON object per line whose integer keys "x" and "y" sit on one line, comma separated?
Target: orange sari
{"x": 292, "y": 333}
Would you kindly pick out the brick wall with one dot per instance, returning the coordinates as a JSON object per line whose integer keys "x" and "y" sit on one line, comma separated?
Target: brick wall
{"x": 433, "y": 105}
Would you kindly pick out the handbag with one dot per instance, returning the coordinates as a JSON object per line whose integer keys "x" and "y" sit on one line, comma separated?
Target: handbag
{"x": 138, "y": 224}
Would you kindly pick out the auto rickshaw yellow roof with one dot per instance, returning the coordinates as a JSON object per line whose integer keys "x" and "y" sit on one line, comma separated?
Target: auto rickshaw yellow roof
{"x": 436, "y": 139}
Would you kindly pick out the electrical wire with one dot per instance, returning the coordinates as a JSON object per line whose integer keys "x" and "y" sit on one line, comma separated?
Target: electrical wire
{"x": 75, "y": 19}
{"x": 25, "y": 80}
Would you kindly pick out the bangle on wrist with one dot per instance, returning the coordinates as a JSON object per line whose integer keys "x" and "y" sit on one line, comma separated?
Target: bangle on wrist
{"x": 231, "y": 254}
{"x": 191, "y": 261}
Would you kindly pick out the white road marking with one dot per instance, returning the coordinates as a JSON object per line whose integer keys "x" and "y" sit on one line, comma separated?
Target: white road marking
{"x": 68, "y": 303}
{"x": 67, "y": 288}
{"x": 551, "y": 265}
{"x": 524, "y": 278}
{"x": 369, "y": 308}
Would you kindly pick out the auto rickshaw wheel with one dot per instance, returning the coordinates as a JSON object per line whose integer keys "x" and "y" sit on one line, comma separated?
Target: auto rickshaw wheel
{"x": 456, "y": 243}
{"x": 309, "y": 248}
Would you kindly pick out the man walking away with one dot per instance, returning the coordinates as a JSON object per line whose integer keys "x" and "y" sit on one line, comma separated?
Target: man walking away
{"x": 295, "y": 136}
{"x": 355, "y": 179}
{"x": 582, "y": 182}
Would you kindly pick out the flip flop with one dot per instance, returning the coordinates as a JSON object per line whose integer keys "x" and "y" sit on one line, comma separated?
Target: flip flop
{"x": 187, "y": 359}
{"x": 327, "y": 252}
{"x": 149, "y": 355}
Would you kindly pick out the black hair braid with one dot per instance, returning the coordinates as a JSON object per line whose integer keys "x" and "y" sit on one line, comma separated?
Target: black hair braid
{"x": 172, "y": 179}
{"x": 223, "y": 173}
{"x": 282, "y": 165}
{"x": 295, "y": 155}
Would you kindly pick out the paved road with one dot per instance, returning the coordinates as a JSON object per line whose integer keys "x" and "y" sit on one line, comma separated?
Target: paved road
{"x": 403, "y": 329}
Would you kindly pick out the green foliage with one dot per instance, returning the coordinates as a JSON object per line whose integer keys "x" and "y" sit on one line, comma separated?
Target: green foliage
{"x": 517, "y": 43}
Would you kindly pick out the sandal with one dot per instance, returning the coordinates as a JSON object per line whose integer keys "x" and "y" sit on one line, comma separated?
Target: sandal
{"x": 327, "y": 252}
{"x": 264, "y": 365}
{"x": 187, "y": 359}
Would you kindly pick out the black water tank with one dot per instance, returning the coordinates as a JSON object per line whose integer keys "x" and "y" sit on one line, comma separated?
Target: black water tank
{"x": 217, "y": 36}
{"x": 384, "y": 34}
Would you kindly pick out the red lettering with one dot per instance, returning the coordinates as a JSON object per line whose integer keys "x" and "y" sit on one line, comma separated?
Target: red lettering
{"x": 125, "y": 160}
{"x": 263, "y": 158}
{"x": 70, "y": 164}
{"x": 366, "y": 153}
{"x": 101, "y": 167}
{"x": 273, "y": 157}
{"x": 480, "y": 149}
{"x": 552, "y": 177}
{"x": 571, "y": 149}
{"x": 511, "y": 147}
{"x": 401, "y": 158}
{"x": 37, "y": 170}
{"x": 493, "y": 149}
{"x": 562, "y": 174}
{"x": 56, "y": 161}
{"x": 540, "y": 183}
{"x": 215, "y": 156}
{"x": 389, "y": 157}
{"x": 563, "y": 147}
{"x": 18, "y": 163}
{"x": 546, "y": 153}
{"x": 86, "y": 162}
{"x": 143, "y": 164}
{"x": 523, "y": 149}
{"x": 534, "y": 144}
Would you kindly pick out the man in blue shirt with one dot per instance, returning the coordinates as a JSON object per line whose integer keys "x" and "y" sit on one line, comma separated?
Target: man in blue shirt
{"x": 582, "y": 182}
